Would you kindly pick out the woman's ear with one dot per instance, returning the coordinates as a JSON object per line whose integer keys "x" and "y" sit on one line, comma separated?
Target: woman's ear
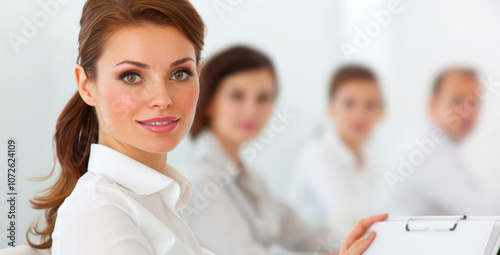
{"x": 199, "y": 69}
{"x": 331, "y": 109}
{"x": 85, "y": 87}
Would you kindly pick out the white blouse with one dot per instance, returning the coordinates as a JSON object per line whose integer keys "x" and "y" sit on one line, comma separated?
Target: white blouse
{"x": 434, "y": 182}
{"x": 225, "y": 220}
{"x": 329, "y": 188}
{"x": 121, "y": 206}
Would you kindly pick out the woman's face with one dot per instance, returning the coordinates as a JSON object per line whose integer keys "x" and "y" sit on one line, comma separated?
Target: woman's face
{"x": 356, "y": 108}
{"x": 146, "y": 72}
{"x": 242, "y": 104}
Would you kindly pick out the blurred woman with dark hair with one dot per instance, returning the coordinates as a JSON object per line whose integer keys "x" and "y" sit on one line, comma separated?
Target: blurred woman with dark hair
{"x": 232, "y": 211}
{"x": 335, "y": 176}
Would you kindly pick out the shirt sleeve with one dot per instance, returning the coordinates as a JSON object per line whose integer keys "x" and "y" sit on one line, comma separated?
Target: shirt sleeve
{"x": 299, "y": 236}
{"x": 98, "y": 224}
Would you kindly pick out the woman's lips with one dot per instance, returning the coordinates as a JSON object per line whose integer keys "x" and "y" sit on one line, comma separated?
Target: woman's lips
{"x": 160, "y": 125}
{"x": 248, "y": 126}
{"x": 359, "y": 128}
{"x": 160, "y": 119}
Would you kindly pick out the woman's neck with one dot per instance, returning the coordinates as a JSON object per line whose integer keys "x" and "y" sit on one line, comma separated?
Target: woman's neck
{"x": 156, "y": 161}
{"x": 355, "y": 148}
{"x": 231, "y": 147}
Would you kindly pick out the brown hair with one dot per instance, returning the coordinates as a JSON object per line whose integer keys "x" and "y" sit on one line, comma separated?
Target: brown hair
{"x": 349, "y": 73}
{"x": 467, "y": 71}
{"x": 77, "y": 126}
{"x": 230, "y": 61}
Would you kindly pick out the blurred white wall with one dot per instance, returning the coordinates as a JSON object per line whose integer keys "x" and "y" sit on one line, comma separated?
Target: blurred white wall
{"x": 303, "y": 37}
{"x": 37, "y": 83}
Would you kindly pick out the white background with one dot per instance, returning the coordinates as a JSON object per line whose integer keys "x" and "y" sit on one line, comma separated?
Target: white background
{"x": 304, "y": 39}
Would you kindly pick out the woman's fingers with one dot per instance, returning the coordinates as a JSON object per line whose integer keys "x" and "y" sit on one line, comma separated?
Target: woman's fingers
{"x": 361, "y": 245}
{"x": 360, "y": 229}
{"x": 365, "y": 223}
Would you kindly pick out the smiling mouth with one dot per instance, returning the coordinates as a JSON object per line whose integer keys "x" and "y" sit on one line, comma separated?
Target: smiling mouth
{"x": 159, "y": 127}
{"x": 157, "y": 123}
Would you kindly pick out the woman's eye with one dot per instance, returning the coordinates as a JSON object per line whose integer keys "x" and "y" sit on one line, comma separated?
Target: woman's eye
{"x": 181, "y": 75}
{"x": 132, "y": 78}
{"x": 263, "y": 98}
{"x": 349, "y": 103}
{"x": 371, "y": 105}
{"x": 237, "y": 95}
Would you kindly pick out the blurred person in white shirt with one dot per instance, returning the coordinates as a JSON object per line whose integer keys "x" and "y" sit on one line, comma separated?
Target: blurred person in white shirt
{"x": 426, "y": 176}
{"x": 232, "y": 210}
{"x": 334, "y": 180}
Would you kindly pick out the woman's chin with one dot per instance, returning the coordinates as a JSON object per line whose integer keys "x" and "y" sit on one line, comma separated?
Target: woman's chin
{"x": 248, "y": 136}
{"x": 358, "y": 138}
{"x": 160, "y": 145}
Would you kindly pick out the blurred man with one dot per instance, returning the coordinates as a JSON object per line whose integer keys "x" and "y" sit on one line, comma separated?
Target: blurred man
{"x": 427, "y": 177}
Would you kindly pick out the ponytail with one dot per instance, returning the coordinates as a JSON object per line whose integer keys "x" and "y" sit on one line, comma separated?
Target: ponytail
{"x": 77, "y": 128}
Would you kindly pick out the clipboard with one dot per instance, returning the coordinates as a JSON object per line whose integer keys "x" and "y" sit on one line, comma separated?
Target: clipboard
{"x": 436, "y": 235}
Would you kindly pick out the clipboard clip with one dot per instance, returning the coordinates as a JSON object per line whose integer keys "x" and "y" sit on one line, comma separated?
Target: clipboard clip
{"x": 456, "y": 218}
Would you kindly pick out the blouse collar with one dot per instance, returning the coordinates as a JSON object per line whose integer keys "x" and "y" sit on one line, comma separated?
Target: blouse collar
{"x": 208, "y": 148}
{"x": 140, "y": 178}
{"x": 343, "y": 151}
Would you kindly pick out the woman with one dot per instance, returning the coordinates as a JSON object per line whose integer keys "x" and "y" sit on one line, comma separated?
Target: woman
{"x": 137, "y": 79}
{"x": 335, "y": 177}
{"x": 232, "y": 211}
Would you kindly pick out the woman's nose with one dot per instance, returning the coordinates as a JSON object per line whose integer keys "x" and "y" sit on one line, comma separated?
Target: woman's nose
{"x": 159, "y": 96}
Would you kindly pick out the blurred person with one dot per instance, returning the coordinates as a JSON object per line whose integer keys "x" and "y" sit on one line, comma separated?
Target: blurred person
{"x": 427, "y": 175}
{"x": 232, "y": 211}
{"x": 335, "y": 176}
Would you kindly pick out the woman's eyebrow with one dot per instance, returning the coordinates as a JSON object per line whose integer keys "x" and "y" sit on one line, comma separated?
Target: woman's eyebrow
{"x": 135, "y": 63}
{"x": 146, "y": 66}
{"x": 180, "y": 61}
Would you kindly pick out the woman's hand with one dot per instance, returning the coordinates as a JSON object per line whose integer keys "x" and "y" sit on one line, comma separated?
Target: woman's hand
{"x": 354, "y": 243}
